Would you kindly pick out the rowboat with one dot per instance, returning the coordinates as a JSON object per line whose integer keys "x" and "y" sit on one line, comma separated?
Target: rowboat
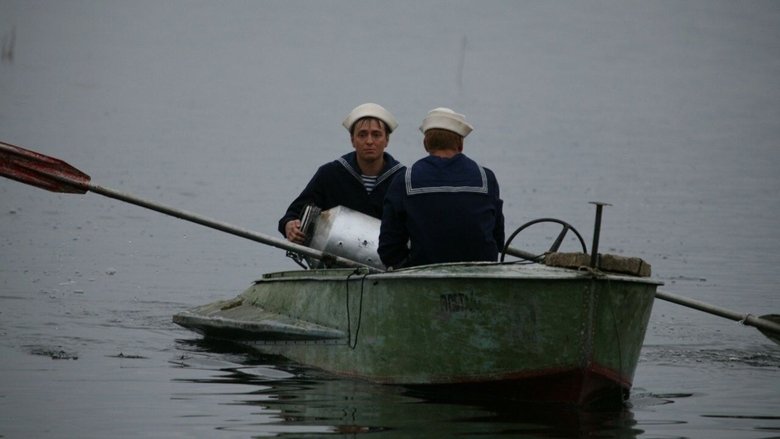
{"x": 564, "y": 331}
{"x": 534, "y": 332}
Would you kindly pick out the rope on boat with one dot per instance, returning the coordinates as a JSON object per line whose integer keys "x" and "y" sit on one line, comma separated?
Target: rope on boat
{"x": 595, "y": 272}
{"x": 360, "y": 307}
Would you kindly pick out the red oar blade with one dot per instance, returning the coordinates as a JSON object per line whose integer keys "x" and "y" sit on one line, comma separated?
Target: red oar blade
{"x": 42, "y": 171}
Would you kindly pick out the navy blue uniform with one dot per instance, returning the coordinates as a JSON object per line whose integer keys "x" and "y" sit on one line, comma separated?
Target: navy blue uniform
{"x": 449, "y": 210}
{"x": 338, "y": 183}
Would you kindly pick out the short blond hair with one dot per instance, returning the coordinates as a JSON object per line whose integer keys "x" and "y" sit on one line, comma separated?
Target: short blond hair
{"x": 438, "y": 139}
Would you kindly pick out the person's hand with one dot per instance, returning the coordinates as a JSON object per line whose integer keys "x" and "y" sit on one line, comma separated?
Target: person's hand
{"x": 293, "y": 231}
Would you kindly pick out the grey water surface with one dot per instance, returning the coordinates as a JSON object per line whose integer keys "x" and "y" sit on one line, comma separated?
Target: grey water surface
{"x": 669, "y": 111}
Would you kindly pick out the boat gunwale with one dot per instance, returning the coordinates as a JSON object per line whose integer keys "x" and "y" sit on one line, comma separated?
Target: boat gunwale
{"x": 525, "y": 272}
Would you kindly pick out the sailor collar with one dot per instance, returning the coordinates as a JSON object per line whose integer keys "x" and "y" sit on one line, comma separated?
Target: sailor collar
{"x": 348, "y": 161}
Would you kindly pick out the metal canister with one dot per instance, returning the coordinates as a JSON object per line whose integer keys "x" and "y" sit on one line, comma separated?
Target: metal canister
{"x": 347, "y": 233}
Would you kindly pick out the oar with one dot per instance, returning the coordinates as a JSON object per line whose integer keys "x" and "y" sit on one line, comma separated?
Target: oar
{"x": 55, "y": 175}
{"x": 768, "y": 324}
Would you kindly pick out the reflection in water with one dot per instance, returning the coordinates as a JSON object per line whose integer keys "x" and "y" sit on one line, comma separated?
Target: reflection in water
{"x": 682, "y": 355}
{"x": 302, "y": 401}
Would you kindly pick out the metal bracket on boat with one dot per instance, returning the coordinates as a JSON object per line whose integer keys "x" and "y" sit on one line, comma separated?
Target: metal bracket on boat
{"x": 594, "y": 248}
{"x": 297, "y": 258}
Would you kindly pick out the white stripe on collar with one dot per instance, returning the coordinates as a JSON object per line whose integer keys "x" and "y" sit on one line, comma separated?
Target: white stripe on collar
{"x": 446, "y": 189}
{"x": 380, "y": 178}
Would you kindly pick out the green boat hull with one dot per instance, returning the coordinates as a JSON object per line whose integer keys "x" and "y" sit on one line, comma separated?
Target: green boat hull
{"x": 536, "y": 332}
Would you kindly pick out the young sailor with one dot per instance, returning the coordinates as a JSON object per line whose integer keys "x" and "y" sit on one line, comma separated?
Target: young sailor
{"x": 445, "y": 206}
{"x": 357, "y": 180}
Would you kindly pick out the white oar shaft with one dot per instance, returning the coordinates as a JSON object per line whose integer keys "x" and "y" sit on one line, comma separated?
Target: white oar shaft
{"x": 747, "y": 319}
{"x": 225, "y": 227}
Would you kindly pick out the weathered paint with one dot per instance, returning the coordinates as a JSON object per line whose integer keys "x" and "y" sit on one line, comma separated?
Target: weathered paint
{"x": 515, "y": 326}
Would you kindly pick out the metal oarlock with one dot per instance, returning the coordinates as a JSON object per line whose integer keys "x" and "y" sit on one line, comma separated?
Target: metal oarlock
{"x": 594, "y": 248}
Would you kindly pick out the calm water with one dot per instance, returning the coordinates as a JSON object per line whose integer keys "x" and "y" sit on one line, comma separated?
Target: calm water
{"x": 670, "y": 111}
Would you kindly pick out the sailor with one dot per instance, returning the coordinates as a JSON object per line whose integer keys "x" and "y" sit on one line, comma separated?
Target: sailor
{"x": 357, "y": 180}
{"x": 445, "y": 206}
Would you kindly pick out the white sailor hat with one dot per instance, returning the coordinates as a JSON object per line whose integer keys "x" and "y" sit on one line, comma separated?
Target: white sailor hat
{"x": 446, "y": 119}
{"x": 370, "y": 110}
